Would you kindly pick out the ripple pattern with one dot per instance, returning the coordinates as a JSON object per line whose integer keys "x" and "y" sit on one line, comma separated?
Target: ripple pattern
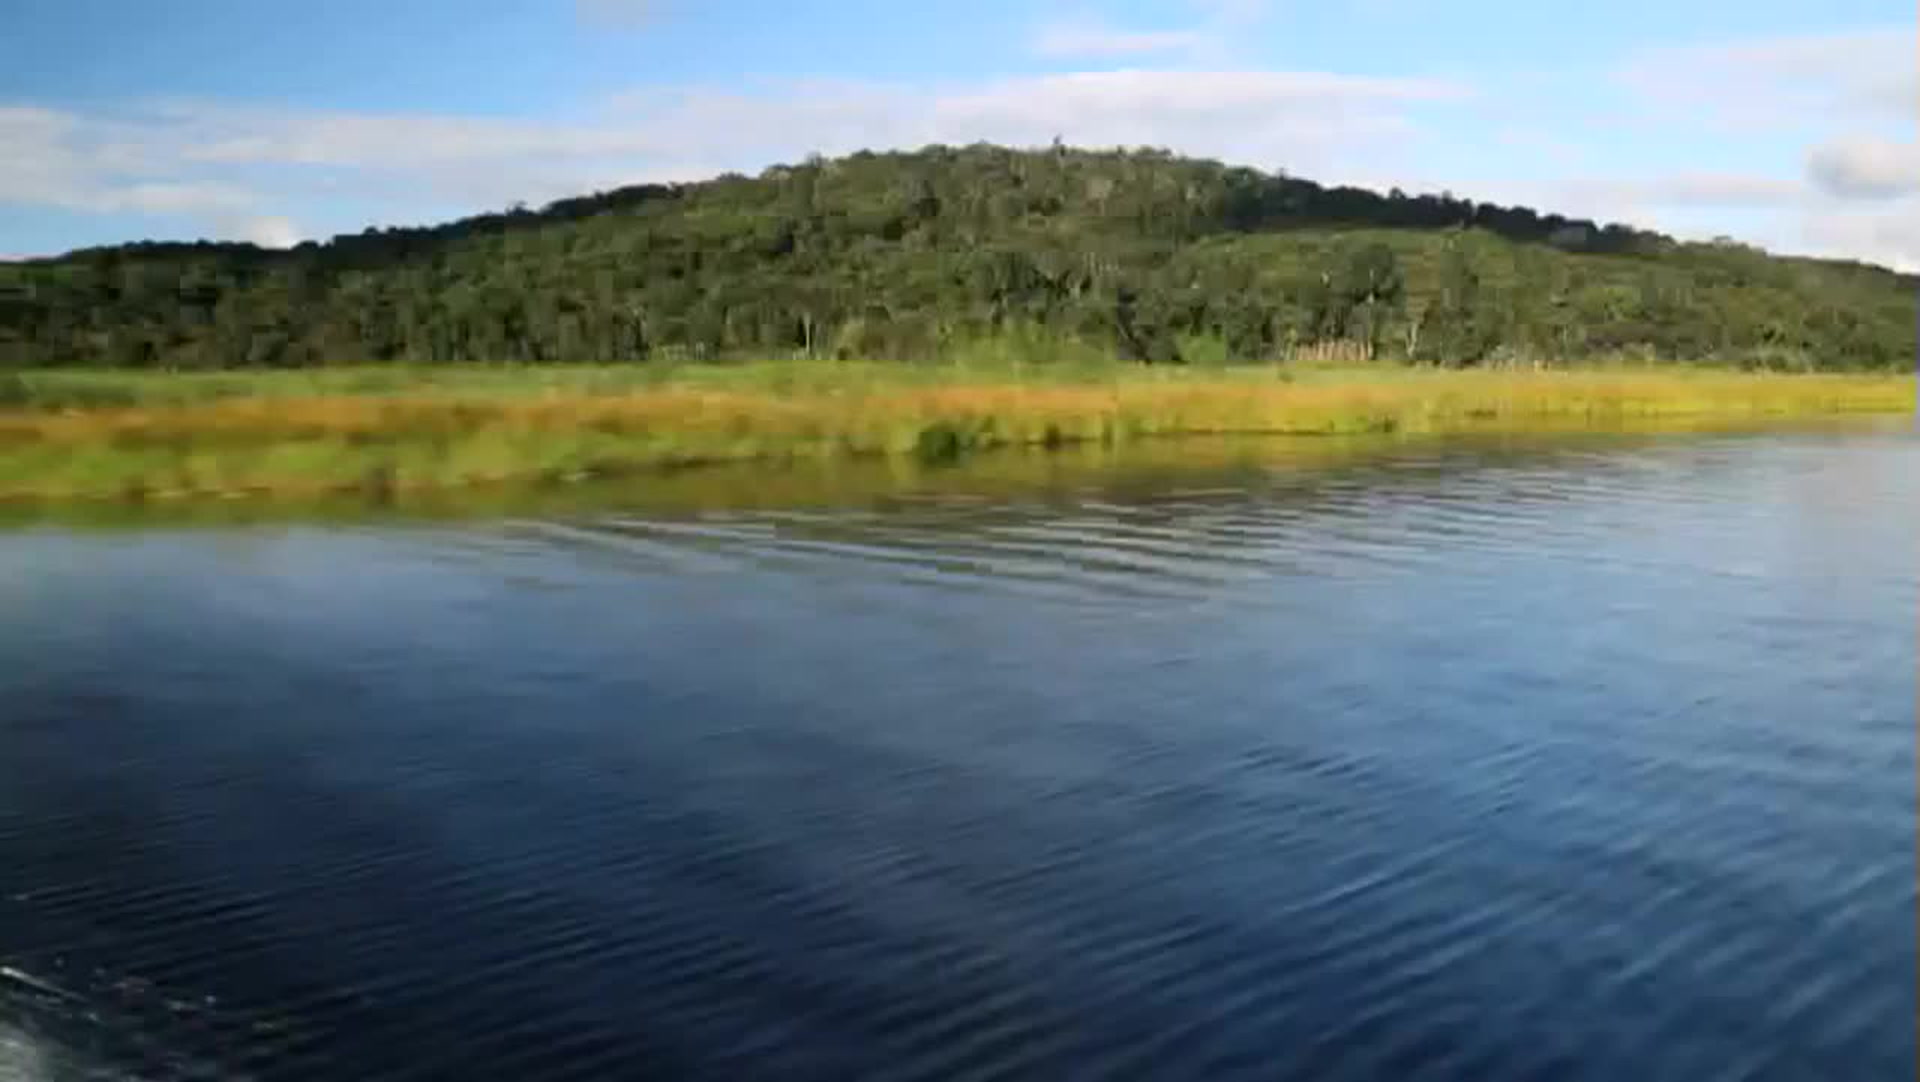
{"x": 1588, "y": 764}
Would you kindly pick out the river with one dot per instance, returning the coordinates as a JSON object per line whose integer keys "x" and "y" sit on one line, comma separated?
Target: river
{"x": 1586, "y": 761}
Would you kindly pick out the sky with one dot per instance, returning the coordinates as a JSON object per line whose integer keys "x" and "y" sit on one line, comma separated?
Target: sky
{"x": 1782, "y": 123}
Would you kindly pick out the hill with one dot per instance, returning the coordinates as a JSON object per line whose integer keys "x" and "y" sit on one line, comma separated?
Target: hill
{"x": 912, "y": 255}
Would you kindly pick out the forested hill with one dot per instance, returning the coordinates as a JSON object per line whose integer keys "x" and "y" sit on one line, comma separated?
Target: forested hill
{"x": 912, "y": 255}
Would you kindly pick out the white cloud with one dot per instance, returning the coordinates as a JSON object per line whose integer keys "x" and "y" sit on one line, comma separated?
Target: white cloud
{"x": 165, "y": 197}
{"x": 1304, "y": 121}
{"x": 1866, "y": 168}
{"x": 1860, "y": 75}
{"x": 1848, "y": 98}
{"x": 1257, "y": 114}
{"x": 240, "y": 170}
{"x": 1888, "y": 234}
{"x": 55, "y": 159}
{"x": 266, "y": 230}
{"x": 659, "y": 132}
{"x": 1698, "y": 190}
{"x": 221, "y": 163}
{"x": 1095, "y": 39}
{"x": 225, "y": 135}
{"x": 25, "y": 122}
{"x": 1211, "y": 40}
{"x": 1785, "y": 216}
{"x": 36, "y": 164}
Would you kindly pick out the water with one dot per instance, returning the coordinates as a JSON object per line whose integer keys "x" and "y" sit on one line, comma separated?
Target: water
{"x": 1587, "y": 763}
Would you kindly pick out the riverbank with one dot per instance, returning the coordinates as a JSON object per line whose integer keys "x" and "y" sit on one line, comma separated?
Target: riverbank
{"x": 117, "y": 436}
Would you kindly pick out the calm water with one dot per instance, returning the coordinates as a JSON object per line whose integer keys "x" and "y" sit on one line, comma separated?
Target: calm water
{"x": 1588, "y": 763}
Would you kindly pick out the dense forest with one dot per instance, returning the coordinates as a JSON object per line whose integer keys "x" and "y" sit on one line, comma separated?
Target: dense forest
{"x": 1139, "y": 253}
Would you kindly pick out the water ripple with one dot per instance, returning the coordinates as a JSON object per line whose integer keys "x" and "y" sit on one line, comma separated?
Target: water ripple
{"x": 1574, "y": 764}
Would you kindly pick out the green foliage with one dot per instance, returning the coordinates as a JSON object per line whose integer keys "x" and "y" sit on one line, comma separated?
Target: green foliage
{"x": 385, "y": 431}
{"x": 1057, "y": 254}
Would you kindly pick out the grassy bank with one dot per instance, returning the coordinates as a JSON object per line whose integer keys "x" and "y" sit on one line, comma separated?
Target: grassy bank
{"x": 137, "y": 436}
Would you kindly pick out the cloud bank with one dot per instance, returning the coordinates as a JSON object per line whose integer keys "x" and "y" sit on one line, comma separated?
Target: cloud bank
{"x": 1866, "y": 168}
{"x": 254, "y": 172}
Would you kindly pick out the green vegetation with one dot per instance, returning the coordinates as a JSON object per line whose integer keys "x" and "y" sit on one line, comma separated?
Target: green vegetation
{"x": 1051, "y": 256}
{"x": 1069, "y": 473}
{"x": 1055, "y": 298}
{"x": 387, "y": 431}
{"x": 820, "y": 483}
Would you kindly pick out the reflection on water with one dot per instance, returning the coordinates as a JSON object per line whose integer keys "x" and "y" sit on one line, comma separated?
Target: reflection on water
{"x": 1590, "y": 761}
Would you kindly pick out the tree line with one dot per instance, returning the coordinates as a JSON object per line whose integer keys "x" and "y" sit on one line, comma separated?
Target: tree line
{"x": 912, "y": 255}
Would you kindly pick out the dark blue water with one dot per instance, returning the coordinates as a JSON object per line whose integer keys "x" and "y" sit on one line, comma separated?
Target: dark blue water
{"x": 1592, "y": 763}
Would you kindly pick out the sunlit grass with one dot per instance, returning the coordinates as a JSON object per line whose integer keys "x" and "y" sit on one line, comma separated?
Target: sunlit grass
{"x": 75, "y": 435}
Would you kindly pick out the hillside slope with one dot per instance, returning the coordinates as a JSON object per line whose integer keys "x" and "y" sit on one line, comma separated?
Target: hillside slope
{"x": 912, "y": 255}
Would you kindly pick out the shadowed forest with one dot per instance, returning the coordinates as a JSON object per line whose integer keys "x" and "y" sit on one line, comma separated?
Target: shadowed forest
{"x": 1052, "y": 254}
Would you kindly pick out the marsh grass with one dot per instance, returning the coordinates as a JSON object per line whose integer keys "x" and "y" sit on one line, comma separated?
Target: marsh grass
{"x": 145, "y": 436}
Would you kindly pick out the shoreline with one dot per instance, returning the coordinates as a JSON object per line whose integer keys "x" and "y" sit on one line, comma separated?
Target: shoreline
{"x": 277, "y": 435}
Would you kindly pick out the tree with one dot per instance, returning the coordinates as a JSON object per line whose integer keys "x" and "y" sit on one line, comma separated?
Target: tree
{"x": 1129, "y": 252}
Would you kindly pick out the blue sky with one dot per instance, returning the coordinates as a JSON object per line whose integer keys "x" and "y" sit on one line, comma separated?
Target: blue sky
{"x": 1781, "y": 122}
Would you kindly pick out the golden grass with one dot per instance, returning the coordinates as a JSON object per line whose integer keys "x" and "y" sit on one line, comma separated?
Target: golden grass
{"x": 449, "y": 435}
